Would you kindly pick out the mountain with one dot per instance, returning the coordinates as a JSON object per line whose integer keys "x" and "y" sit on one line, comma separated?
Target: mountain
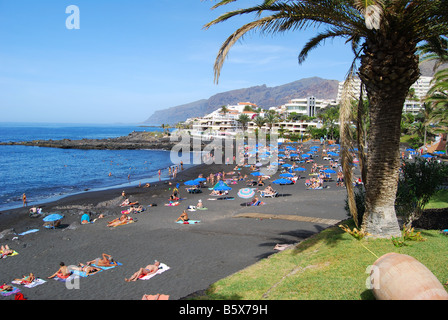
{"x": 263, "y": 96}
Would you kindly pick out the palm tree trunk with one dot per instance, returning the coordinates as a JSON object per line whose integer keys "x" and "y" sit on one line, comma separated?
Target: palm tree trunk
{"x": 383, "y": 163}
{"x": 389, "y": 67}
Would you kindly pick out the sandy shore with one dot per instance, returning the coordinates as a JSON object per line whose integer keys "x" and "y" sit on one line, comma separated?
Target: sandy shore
{"x": 226, "y": 240}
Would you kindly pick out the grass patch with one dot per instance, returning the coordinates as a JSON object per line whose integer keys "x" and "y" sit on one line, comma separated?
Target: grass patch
{"x": 438, "y": 200}
{"x": 328, "y": 266}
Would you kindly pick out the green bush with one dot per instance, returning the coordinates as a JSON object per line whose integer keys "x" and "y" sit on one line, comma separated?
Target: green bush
{"x": 419, "y": 180}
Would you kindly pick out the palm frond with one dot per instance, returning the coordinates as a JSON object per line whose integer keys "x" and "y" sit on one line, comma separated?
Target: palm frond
{"x": 346, "y": 136}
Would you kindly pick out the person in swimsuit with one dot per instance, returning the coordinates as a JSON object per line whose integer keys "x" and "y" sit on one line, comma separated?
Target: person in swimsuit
{"x": 105, "y": 261}
{"x": 183, "y": 217}
{"x": 86, "y": 268}
{"x": 149, "y": 269}
{"x": 63, "y": 272}
{"x": 27, "y": 279}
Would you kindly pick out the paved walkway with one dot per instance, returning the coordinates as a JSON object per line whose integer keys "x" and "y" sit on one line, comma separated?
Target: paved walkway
{"x": 288, "y": 217}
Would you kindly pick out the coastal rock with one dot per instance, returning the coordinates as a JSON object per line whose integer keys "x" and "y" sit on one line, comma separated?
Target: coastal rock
{"x": 133, "y": 141}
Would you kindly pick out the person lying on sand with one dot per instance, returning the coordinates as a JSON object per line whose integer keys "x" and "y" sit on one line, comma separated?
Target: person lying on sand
{"x": 86, "y": 268}
{"x": 26, "y": 279}
{"x": 149, "y": 269}
{"x": 6, "y": 288}
{"x": 5, "y": 251}
{"x": 63, "y": 272}
{"x": 105, "y": 261}
{"x": 183, "y": 216}
{"x": 119, "y": 221}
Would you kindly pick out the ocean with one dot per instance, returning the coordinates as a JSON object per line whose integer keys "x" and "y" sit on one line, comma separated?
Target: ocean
{"x": 46, "y": 174}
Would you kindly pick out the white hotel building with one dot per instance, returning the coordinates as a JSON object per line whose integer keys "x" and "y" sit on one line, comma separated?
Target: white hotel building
{"x": 421, "y": 87}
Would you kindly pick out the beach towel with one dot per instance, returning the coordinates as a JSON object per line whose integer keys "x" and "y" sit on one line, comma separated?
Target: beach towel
{"x": 188, "y": 222}
{"x": 33, "y": 284}
{"x": 124, "y": 223}
{"x": 69, "y": 278}
{"x": 222, "y": 198}
{"x": 172, "y": 204}
{"x": 8, "y": 255}
{"x": 162, "y": 268}
{"x": 155, "y": 297}
{"x": 27, "y": 232}
{"x": 8, "y": 293}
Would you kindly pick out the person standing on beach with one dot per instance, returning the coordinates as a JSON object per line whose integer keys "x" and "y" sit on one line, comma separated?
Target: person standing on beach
{"x": 24, "y": 199}
{"x": 159, "y": 174}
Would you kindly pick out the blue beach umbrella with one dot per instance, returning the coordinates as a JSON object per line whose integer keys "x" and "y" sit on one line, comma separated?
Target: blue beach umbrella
{"x": 286, "y": 175}
{"x": 282, "y": 182}
{"x": 53, "y": 218}
{"x": 191, "y": 183}
{"x": 329, "y": 171}
{"x": 426, "y": 156}
{"x": 200, "y": 179}
{"x": 256, "y": 174}
{"x": 286, "y": 165}
{"x": 299, "y": 169}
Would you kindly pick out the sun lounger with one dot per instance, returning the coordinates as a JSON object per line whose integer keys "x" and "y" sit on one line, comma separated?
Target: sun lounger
{"x": 268, "y": 195}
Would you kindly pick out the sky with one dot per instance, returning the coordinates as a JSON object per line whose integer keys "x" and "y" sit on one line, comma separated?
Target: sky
{"x": 129, "y": 58}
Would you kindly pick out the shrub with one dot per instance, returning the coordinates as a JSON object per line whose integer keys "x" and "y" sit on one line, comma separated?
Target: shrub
{"x": 419, "y": 180}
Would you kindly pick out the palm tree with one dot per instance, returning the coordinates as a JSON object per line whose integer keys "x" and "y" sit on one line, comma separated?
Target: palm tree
{"x": 224, "y": 110}
{"x": 244, "y": 119}
{"x": 259, "y": 121}
{"x": 438, "y": 99}
{"x": 384, "y": 36}
{"x": 270, "y": 118}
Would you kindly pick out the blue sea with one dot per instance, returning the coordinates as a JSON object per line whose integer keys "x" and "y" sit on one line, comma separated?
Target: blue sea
{"x": 45, "y": 174}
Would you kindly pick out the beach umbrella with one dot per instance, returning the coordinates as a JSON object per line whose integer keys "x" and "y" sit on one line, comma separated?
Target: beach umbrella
{"x": 221, "y": 186}
{"x": 299, "y": 169}
{"x": 293, "y": 155}
{"x": 191, "y": 183}
{"x": 246, "y": 193}
{"x": 53, "y": 218}
{"x": 286, "y": 175}
{"x": 410, "y": 149}
{"x": 329, "y": 171}
{"x": 426, "y": 156}
{"x": 286, "y": 165}
{"x": 200, "y": 179}
{"x": 331, "y": 153}
{"x": 256, "y": 174}
{"x": 282, "y": 182}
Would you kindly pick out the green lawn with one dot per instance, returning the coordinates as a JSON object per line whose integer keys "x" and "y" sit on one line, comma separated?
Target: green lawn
{"x": 439, "y": 200}
{"x": 328, "y": 266}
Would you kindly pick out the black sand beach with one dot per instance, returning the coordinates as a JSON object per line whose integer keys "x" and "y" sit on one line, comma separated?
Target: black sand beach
{"x": 225, "y": 241}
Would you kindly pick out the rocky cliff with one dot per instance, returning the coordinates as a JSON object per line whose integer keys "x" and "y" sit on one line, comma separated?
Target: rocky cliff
{"x": 263, "y": 96}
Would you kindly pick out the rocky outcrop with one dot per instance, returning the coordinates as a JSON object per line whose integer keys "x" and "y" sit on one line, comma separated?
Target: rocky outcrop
{"x": 133, "y": 141}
